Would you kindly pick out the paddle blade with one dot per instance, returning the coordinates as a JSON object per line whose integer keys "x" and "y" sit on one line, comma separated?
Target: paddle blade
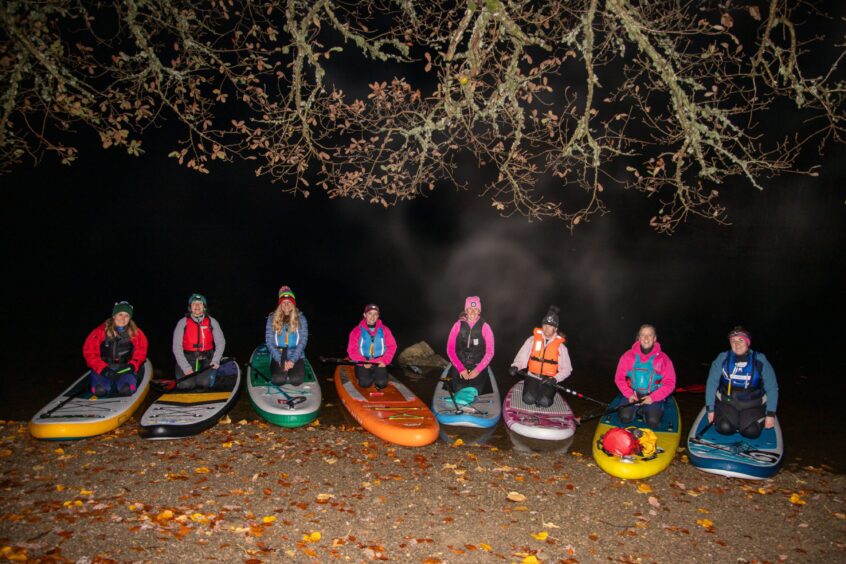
{"x": 692, "y": 389}
{"x": 163, "y": 385}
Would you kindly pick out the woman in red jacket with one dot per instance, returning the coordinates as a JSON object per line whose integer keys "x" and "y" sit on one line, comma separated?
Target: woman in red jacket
{"x": 115, "y": 352}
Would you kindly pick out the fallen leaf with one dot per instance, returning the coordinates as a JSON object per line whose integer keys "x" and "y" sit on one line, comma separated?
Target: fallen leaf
{"x": 59, "y": 450}
{"x": 796, "y": 499}
{"x": 324, "y": 497}
{"x": 458, "y": 443}
{"x": 201, "y": 470}
{"x": 705, "y": 523}
{"x": 644, "y": 488}
{"x": 531, "y": 559}
{"x": 485, "y": 547}
{"x": 541, "y": 536}
{"x": 551, "y": 525}
{"x": 703, "y": 510}
{"x": 515, "y": 496}
{"x": 60, "y": 488}
{"x": 225, "y": 420}
{"x": 312, "y": 537}
{"x": 268, "y": 519}
{"x": 165, "y": 515}
{"x": 85, "y": 492}
{"x": 653, "y": 501}
{"x": 227, "y": 444}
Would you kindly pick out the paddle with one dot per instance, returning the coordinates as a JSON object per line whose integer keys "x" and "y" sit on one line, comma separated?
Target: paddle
{"x": 692, "y": 389}
{"x": 168, "y": 385}
{"x": 290, "y": 401}
{"x": 83, "y": 385}
{"x": 349, "y": 362}
{"x": 459, "y": 410}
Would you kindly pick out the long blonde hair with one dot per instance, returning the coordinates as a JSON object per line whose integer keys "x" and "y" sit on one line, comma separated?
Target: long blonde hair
{"x": 279, "y": 320}
{"x": 112, "y": 333}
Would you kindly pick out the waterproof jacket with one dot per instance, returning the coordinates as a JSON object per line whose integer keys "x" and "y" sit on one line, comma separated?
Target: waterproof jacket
{"x": 92, "y": 351}
{"x": 362, "y": 336}
{"x": 185, "y": 333}
{"x": 768, "y": 380}
{"x": 660, "y": 361}
{"x": 455, "y": 348}
{"x": 294, "y": 353}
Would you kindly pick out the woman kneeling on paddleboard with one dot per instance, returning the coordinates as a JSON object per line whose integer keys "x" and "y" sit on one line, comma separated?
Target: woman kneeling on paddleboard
{"x": 470, "y": 348}
{"x": 372, "y": 346}
{"x": 115, "y": 351}
{"x": 741, "y": 394}
{"x": 646, "y": 377}
{"x": 198, "y": 344}
{"x": 286, "y": 336}
{"x": 545, "y": 356}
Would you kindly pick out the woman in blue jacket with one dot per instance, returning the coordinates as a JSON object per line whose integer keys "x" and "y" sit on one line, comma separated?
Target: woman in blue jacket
{"x": 286, "y": 336}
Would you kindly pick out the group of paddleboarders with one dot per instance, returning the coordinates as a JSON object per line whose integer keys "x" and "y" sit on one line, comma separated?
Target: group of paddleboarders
{"x": 741, "y": 391}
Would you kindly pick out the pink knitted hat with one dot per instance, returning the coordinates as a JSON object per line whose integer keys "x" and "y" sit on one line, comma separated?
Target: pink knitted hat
{"x": 473, "y": 301}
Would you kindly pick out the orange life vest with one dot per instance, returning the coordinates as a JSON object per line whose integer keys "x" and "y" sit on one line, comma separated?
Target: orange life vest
{"x": 544, "y": 361}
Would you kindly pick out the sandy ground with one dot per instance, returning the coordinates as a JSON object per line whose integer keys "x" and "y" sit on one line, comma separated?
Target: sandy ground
{"x": 248, "y": 491}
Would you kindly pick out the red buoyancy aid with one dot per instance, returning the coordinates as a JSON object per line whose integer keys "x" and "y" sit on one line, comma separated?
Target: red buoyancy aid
{"x": 198, "y": 337}
{"x": 544, "y": 360}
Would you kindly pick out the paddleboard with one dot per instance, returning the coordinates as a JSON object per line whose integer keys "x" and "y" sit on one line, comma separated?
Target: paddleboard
{"x": 734, "y": 455}
{"x": 281, "y": 405}
{"x": 633, "y": 468}
{"x": 484, "y": 412}
{"x": 553, "y": 423}
{"x": 180, "y": 413}
{"x": 394, "y": 413}
{"x": 77, "y": 414}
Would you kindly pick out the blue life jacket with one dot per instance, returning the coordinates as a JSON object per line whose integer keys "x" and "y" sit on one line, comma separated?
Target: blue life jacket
{"x": 371, "y": 346}
{"x": 285, "y": 339}
{"x": 642, "y": 377}
{"x": 741, "y": 376}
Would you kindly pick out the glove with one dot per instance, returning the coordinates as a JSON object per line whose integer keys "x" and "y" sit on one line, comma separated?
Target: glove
{"x": 513, "y": 370}
{"x": 109, "y": 373}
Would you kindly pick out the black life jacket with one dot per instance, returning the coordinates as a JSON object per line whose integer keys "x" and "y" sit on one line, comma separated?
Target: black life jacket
{"x": 470, "y": 344}
{"x": 116, "y": 351}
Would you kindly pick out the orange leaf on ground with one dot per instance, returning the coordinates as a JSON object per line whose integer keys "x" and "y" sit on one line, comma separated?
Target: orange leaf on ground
{"x": 201, "y": 470}
{"x": 644, "y": 488}
{"x": 515, "y": 496}
{"x": 541, "y": 536}
{"x": 796, "y": 499}
{"x": 705, "y": 523}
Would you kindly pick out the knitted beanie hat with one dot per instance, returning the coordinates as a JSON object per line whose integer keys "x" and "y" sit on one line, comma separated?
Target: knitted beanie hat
{"x": 473, "y": 301}
{"x": 551, "y": 317}
{"x": 285, "y": 293}
{"x": 122, "y": 306}
{"x": 197, "y": 298}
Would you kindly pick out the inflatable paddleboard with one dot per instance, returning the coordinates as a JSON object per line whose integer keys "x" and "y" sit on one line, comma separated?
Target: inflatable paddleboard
{"x": 286, "y": 405}
{"x": 180, "y": 413}
{"x": 484, "y": 412}
{"x": 734, "y": 455}
{"x": 553, "y": 423}
{"x": 394, "y": 413}
{"x": 633, "y": 468}
{"x": 77, "y": 414}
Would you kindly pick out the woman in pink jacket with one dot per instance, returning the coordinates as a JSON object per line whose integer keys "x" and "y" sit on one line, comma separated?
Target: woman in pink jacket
{"x": 470, "y": 347}
{"x": 646, "y": 377}
{"x": 372, "y": 346}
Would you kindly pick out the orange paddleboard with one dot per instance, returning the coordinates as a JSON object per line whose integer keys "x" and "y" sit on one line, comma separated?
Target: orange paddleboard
{"x": 394, "y": 413}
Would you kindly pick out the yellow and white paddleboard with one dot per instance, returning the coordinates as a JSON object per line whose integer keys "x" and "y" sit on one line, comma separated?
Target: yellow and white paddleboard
{"x": 77, "y": 414}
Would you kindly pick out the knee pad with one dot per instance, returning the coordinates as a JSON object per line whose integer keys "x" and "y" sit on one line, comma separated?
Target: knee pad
{"x": 99, "y": 390}
{"x": 544, "y": 401}
{"x": 124, "y": 390}
{"x": 724, "y": 427}
{"x": 752, "y": 431}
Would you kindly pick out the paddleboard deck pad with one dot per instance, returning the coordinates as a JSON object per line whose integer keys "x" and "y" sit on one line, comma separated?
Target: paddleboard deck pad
{"x": 394, "y": 413}
{"x": 76, "y": 413}
{"x": 484, "y": 412}
{"x": 180, "y": 414}
{"x": 734, "y": 455}
{"x": 553, "y": 423}
{"x": 275, "y": 403}
{"x": 668, "y": 434}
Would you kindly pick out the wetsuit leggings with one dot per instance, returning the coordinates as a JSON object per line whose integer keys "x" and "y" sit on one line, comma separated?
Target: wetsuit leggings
{"x": 480, "y": 382}
{"x": 535, "y": 392}
{"x": 374, "y": 375}
{"x": 651, "y": 413}
{"x": 748, "y": 421}
{"x": 294, "y": 376}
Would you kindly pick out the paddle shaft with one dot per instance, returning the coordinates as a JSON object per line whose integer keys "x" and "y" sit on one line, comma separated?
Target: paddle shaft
{"x": 264, "y": 377}
{"x": 168, "y": 385}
